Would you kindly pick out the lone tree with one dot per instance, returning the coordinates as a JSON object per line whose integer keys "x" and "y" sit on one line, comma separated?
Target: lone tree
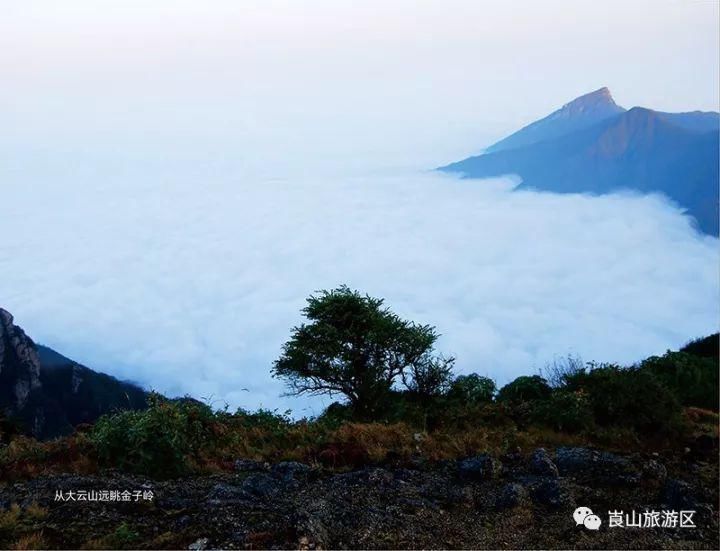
{"x": 355, "y": 347}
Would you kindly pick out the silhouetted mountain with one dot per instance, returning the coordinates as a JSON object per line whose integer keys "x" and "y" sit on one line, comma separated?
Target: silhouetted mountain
{"x": 639, "y": 149}
{"x": 49, "y": 394}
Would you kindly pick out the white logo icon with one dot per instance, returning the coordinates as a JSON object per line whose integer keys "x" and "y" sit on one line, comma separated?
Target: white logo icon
{"x": 585, "y": 516}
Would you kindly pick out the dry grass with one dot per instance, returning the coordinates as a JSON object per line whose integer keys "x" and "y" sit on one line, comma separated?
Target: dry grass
{"x": 9, "y": 521}
{"x": 30, "y": 541}
{"x": 230, "y": 437}
{"x": 702, "y": 416}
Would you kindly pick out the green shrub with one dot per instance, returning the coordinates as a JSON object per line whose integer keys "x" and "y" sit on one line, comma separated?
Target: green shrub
{"x": 472, "y": 389}
{"x": 157, "y": 441}
{"x": 564, "y": 411}
{"x": 525, "y": 389}
{"x": 627, "y": 397}
{"x": 692, "y": 378}
{"x": 705, "y": 347}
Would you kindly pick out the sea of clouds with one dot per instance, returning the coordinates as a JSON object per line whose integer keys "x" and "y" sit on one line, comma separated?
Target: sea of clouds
{"x": 189, "y": 282}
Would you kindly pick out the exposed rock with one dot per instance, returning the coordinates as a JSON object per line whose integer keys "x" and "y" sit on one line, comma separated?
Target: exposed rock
{"x": 372, "y": 508}
{"x": 604, "y": 467}
{"x": 511, "y": 496}
{"x": 541, "y": 463}
{"x": 199, "y": 545}
{"x": 654, "y": 471}
{"x": 480, "y": 467}
{"x": 49, "y": 400}
{"x": 553, "y": 493}
{"x": 260, "y": 485}
{"x": 289, "y": 470}
{"x": 573, "y": 460}
{"x": 679, "y": 495}
{"x": 225, "y": 494}
{"x": 249, "y": 465}
{"x": 19, "y": 364}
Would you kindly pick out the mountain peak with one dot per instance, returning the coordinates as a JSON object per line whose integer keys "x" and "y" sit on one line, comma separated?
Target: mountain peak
{"x": 600, "y": 99}
{"x": 582, "y": 112}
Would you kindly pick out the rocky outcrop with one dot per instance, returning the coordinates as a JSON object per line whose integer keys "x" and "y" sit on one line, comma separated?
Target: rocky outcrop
{"x": 19, "y": 372}
{"x": 297, "y": 506}
{"x": 47, "y": 394}
{"x": 480, "y": 467}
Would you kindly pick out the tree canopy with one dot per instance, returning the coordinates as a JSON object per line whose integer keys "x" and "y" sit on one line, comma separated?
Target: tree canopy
{"x": 354, "y": 346}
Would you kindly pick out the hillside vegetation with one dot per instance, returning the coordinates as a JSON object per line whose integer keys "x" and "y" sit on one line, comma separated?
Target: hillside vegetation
{"x": 403, "y": 403}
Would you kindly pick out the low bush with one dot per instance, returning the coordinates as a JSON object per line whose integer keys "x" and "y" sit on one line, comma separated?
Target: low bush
{"x": 525, "y": 389}
{"x": 156, "y": 441}
{"x": 471, "y": 390}
{"x": 693, "y": 379}
{"x": 627, "y": 397}
{"x": 564, "y": 410}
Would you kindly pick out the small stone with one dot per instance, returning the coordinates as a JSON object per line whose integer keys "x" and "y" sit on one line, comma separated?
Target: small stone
{"x": 199, "y": 545}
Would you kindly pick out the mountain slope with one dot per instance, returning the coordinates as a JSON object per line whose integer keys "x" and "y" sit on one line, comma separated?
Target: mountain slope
{"x": 49, "y": 394}
{"x": 639, "y": 149}
{"x": 578, "y": 114}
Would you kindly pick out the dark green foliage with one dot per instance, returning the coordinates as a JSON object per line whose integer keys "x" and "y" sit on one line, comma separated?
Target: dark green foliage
{"x": 693, "y": 379}
{"x": 525, "y": 389}
{"x": 352, "y": 346}
{"x": 471, "y": 389}
{"x": 564, "y": 411}
{"x": 265, "y": 419}
{"x": 431, "y": 378}
{"x": 706, "y": 347}
{"x": 335, "y": 415}
{"x": 627, "y": 397}
{"x": 155, "y": 441}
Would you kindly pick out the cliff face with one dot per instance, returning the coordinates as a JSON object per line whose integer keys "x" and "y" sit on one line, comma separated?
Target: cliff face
{"x": 48, "y": 394}
{"x": 19, "y": 373}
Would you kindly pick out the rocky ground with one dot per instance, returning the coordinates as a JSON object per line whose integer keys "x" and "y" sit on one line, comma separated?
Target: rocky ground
{"x": 513, "y": 501}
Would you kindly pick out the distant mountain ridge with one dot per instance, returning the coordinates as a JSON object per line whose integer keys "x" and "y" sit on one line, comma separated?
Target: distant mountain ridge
{"x": 592, "y": 145}
{"x": 49, "y": 394}
{"x": 580, "y": 113}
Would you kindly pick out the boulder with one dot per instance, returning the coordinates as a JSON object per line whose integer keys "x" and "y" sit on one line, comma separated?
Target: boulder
{"x": 199, "y": 545}
{"x": 541, "y": 463}
{"x": 478, "y": 468}
{"x": 260, "y": 485}
{"x": 654, "y": 471}
{"x": 289, "y": 470}
{"x": 604, "y": 468}
{"x": 511, "y": 495}
{"x": 553, "y": 493}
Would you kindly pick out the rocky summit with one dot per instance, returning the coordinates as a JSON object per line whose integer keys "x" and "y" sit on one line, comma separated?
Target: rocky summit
{"x": 511, "y": 501}
{"x": 19, "y": 371}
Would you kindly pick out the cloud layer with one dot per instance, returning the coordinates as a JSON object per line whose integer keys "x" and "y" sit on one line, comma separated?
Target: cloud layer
{"x": 190, "y": 284}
